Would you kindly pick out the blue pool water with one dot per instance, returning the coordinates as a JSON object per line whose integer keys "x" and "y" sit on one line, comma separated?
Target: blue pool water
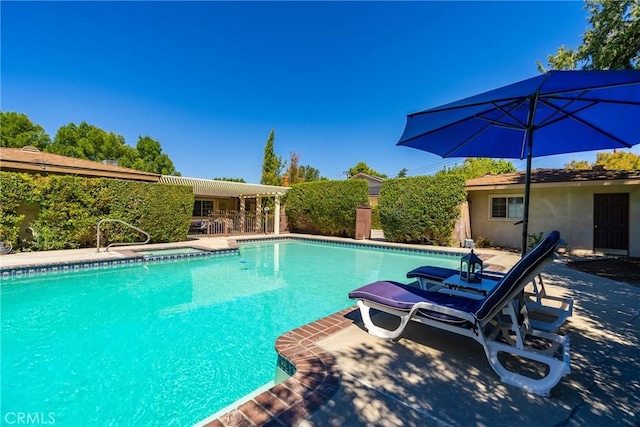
{"x": 170, "y": 343}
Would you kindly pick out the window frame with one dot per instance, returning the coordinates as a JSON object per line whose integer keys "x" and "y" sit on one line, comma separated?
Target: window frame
{"x": 506, "y": 197}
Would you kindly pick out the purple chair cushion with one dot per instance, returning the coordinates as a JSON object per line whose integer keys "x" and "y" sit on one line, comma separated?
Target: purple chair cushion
{"x": 439, "y": 274}
{"x": 404, "y": 297}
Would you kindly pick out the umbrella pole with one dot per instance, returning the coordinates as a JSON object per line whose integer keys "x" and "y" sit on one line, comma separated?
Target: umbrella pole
{"x": 527, "y": 190}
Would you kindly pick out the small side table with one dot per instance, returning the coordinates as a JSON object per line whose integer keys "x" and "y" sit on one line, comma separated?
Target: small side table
{"x": 466, "y": 289}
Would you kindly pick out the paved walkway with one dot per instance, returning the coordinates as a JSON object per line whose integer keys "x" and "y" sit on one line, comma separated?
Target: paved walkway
{"x": 90, "y": 254}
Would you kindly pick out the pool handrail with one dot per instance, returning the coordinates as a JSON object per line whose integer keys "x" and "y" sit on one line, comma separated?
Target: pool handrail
{"x": 122, "y": 243}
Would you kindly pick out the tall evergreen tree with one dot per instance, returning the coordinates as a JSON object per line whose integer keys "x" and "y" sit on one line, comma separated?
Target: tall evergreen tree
{"x": 271, "y": 164}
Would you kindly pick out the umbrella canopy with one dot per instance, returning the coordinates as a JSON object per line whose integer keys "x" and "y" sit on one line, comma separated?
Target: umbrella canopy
{"x": 553, "y": 113}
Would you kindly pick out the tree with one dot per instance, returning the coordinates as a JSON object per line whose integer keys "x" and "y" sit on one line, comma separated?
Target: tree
{"x": 618, "y": 160}
{"x": 271, "y": 164}
{"x": 611, "y": 42}
{"x": 364, "y": 168}
{"x": 152, "y": 159}
{"x": 577, "y": 165}
{"x": 230, "y": 179}
{"x": 88, "y": 142}
{"x": 609, "y": 160}
{"x": 17, "y": 131}
{"x": 402, "y": 173}
{"x": 475, "y": 167}
{"x": 309, "y": 173}
{"x": 293, "y": 171}
{"x": 304, "y": 173}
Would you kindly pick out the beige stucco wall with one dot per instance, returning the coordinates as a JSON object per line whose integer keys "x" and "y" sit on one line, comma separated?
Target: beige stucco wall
{"x": 567, "y": 208}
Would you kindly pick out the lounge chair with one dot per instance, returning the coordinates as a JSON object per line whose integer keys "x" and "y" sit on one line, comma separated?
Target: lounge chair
{"x": 546, "y": 312}
{"x": 499, "y": 321}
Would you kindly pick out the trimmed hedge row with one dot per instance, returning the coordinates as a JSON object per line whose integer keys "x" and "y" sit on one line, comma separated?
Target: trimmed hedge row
{"x": 421, "y": 209}
{"x": 68, "y": 209}
{"x": 326, "y": 207}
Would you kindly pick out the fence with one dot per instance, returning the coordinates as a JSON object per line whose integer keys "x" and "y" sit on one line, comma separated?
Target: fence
{"x": 237, "y": 223}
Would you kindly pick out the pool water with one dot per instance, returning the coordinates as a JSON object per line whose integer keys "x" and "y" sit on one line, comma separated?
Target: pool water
{"x": 170, "y": 343}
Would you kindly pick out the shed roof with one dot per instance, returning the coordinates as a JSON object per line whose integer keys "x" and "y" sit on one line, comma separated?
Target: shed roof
{"x": 30, "y": 159}
{"x": 554, "y": 176}
{"x": 367, "y": 177}
{"x": 214, "y": 188}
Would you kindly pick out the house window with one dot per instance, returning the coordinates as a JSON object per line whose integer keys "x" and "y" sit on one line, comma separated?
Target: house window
{"x": 202, "y": 207}
{"x": 507, "y": 207}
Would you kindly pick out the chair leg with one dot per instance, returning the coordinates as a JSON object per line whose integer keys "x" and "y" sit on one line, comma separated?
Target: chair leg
{"x": 381, "y": 332}
{"x": 557, "y": 368}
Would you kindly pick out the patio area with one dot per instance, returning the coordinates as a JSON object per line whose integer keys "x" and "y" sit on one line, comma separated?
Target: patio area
{"x": 430, "y": 377}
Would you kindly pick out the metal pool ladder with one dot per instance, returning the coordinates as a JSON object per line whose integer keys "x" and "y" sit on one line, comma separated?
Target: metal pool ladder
{"x": 123, "y": 243}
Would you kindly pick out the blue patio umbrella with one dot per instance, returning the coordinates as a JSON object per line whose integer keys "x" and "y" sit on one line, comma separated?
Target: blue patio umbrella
{"x": 553, "y": 113}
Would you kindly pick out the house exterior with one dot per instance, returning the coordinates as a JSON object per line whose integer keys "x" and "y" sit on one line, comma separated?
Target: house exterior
{"x": 211, "y": 197}
{"x": 374, "y": 182}
{"x": 31, "y": 160}
{"x": 594, "y": 210}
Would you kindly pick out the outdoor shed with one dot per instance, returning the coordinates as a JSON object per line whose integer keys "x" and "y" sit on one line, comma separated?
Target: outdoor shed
{"x": 374, "y": 183}
{"x": 594, "y": 210}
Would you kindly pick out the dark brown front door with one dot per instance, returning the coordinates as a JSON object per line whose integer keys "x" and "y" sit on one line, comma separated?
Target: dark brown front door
{"x": 611, "y": 223}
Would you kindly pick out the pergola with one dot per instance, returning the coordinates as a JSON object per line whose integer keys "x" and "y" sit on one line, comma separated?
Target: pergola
{"x": 243, "y": 191}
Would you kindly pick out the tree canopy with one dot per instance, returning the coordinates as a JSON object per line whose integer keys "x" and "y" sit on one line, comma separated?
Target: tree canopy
{"x": 89, "y": 142}
{"x": 86, "y": 141}
{"x": 611, "y": 41}
{"x": 296, "y": 173}
{"x": 475, "y": 167}
{"x": 616, "y": 160}
{"x": 362, "y": 167}
{"x": 271, "y": 164}
{"x": 151, "y": 158}
{"x": 17, "y": 131}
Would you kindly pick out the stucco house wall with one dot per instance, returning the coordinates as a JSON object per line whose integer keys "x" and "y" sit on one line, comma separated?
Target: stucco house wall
{"x": 564, "y": 206}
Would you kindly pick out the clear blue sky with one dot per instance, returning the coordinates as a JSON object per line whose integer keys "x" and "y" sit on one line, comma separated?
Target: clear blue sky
{"x": 209, "y": 80}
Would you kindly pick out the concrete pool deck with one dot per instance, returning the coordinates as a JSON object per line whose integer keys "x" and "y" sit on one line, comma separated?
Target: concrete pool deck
{"x": 349, "y": 378}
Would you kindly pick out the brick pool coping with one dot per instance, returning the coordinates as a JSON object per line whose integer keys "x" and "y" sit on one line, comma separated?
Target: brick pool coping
{"x": 315, "y": 381}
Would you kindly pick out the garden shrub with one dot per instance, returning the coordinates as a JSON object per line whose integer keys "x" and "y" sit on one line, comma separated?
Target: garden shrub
{"x": 15, "y": 189}
{"x": 375, "y": 218}
{"x": 421, "y": 209}
{"x": 70, "y": 207}
{"x": 325, "y": 207}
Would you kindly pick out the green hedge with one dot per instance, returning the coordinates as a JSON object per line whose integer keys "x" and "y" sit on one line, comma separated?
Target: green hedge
{"x": 326, "y": 207}
{"x": 375, "y": 218}
{"x": 15, "y": 190}
{"x": 68, "y": 209}
{"x": 421, "y": 209}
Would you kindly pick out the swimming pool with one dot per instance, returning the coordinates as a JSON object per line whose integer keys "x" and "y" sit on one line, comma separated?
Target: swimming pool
{"x": 170, "y": 343}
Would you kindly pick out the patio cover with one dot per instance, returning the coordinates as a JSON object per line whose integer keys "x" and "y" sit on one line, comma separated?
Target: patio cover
{"x": 213, "y": 188}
